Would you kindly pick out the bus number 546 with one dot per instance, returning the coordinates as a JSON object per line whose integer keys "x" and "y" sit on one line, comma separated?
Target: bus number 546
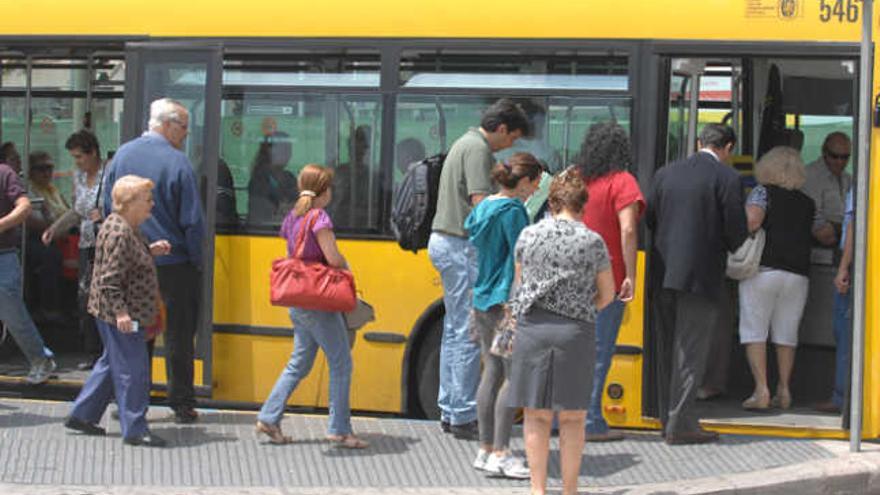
{"x": 840, "y": 9}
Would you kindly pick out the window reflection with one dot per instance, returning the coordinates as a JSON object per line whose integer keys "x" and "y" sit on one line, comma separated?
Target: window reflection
{"x": 267, "y": 138}
{"x": 430, "y": 124}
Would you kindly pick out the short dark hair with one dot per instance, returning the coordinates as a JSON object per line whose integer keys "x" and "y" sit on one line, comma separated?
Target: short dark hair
{"x": 505, "y": 111}
{"x": 717, "y": 136}
{"x": 85, "y": 141}
{"x": 6, "y": 149}
{"x": 606, "y": 148}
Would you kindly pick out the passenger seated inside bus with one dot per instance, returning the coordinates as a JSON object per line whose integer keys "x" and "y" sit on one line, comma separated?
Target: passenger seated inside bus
{"x": 354, "y": 182}
{"x": 44, "y": 265}
{"x": 408, "y": 151}
{"x": 272, "y": 189}
{"x": 227, "y": 211}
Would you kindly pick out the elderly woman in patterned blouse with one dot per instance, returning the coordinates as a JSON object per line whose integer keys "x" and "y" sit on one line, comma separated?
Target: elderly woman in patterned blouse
{"x": 565, "y": 279}
{"x": 123, "y": 300}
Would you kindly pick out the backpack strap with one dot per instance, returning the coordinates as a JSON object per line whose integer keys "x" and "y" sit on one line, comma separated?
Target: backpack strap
{"x": 306, "y": 225}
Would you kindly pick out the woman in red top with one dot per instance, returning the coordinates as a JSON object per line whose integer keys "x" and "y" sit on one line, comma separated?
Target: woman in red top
{"x": 613, "y": 210}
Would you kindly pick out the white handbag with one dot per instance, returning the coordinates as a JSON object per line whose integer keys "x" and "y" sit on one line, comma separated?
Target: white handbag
{"x": 362, "y": 314}
{"x": 745, "y": 261}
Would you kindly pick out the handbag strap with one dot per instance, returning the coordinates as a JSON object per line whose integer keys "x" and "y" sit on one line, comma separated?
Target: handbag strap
{"x": 100, "y": 188}
{"x": 305, "y": 226}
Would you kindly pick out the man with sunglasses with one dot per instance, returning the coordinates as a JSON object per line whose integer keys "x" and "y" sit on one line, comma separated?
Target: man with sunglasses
{"x": 827, "y": 182}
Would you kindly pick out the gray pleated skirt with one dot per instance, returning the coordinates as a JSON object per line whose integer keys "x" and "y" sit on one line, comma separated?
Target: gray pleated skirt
{"x": 552, "y": 363}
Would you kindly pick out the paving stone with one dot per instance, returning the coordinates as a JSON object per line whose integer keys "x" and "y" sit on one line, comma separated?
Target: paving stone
{"x": 221, "y": 452}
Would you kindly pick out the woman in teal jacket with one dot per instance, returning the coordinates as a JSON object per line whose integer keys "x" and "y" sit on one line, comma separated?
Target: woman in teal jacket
{"x": 493, "y": 227}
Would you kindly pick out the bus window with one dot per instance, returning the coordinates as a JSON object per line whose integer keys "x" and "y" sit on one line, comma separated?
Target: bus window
{"x": 267, "y": 138}
{"x": 559, "y": 124}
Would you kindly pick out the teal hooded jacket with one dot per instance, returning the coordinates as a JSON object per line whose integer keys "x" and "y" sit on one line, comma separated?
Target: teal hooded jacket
{"x": 493, "y": 227}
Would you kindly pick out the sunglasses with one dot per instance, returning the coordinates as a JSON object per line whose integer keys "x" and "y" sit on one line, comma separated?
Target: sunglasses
{"x": 835, "y": 156}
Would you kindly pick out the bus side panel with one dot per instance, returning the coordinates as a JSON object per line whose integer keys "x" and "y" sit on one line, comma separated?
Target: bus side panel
{"x": 626, "y": 367}
{"x": 399, "y": 285}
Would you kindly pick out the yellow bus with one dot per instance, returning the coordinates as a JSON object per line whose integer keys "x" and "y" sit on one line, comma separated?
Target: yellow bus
{"x": 368, "y": 88}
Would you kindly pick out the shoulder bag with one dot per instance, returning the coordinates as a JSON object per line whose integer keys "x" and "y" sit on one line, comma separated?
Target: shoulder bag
{"x": 295, "y": 282}
{"x": 362, "y": 314}
{"x": 744, "y": 262}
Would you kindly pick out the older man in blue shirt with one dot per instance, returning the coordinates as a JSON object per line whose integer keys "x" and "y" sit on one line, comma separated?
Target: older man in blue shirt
{"x": 177, "y": 217}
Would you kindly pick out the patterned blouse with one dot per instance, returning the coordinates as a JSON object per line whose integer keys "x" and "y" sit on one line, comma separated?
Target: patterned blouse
{"x": 560, "y": 259}
{"x": 124, "y": 278}
{"x": 84, "y": 201}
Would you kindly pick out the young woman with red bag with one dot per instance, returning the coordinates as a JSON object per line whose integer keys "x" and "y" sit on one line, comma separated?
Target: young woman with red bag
{"x": 314, "y": 328}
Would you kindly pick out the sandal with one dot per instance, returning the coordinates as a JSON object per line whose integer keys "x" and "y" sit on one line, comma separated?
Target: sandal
{"x": 755, "y": 404}
{"x": 782, "y": 401}
{"x": 349, "y": 441}
{"x": 273, "y": 432}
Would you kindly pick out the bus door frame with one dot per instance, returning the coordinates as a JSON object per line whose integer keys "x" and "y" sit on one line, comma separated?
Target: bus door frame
{"x": 656, "y": 59}
{"x": 138, "y": 57}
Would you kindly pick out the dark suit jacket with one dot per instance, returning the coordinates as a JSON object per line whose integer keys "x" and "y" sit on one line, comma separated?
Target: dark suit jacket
{"x": 696, "y": 213}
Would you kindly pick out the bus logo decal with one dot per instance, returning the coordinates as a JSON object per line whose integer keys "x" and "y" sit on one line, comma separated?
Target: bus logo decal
{"x": 788, "y": 9}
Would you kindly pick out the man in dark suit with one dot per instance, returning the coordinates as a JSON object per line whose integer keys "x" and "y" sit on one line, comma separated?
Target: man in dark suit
{"x": 696, "y": 214}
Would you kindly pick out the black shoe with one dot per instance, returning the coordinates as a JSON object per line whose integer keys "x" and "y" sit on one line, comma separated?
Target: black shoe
{"x": 185, "y": 416}
{"x": 445, "y": 426}
{"x": 84, "y": 427}
{"x": 146, "y": 440}
{"x": 467, "y": 431}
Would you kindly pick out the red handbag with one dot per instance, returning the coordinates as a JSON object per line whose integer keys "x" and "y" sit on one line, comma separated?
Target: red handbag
{"x": 295, "y": 282}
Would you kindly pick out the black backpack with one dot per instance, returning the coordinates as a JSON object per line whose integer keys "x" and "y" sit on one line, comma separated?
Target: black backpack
{"x": 414, "y": 203}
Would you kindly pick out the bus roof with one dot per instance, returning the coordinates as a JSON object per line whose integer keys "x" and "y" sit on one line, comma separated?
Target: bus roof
{"x": 728, "y": 20}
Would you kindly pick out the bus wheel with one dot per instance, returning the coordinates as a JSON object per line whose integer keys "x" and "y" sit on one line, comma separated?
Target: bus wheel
{"x": 428, "y": 371}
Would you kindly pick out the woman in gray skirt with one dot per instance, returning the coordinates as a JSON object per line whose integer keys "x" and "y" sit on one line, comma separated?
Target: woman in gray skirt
{"x": 565, "y": 279}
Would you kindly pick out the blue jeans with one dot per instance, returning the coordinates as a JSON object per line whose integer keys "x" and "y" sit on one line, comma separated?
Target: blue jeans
{"x": 123, "y": 371}
{"x": 607, "y": 327}
{"x": 313, "y": 329}
{"x": 455, "y": 258}
{"x": 14, "y": 313}
{"x": 842, "y": 336}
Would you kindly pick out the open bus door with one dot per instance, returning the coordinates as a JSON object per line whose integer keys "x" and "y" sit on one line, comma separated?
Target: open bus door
{"x": 794, "y": 100}
{"x": 190, "y": 73}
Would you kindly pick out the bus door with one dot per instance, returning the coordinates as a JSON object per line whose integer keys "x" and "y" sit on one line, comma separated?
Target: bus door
{"x": 47, "y": 93}
{"x": 769, "y": 101}
{"x": 189, "y": 73}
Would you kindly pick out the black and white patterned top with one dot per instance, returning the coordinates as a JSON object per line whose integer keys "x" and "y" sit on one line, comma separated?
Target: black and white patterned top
{"x": 559, "y": 259}
{"x": 86, "y": 200}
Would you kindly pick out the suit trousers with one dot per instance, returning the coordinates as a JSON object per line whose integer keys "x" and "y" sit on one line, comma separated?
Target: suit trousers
{"x": 121, "y": 371}
{"x": 721, "y": 346}
{"x": 180, "y": 285}
{"x": 685, "y": 323}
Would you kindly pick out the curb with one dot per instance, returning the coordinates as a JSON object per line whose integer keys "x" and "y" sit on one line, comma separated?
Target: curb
{"x": 847, "y": 474}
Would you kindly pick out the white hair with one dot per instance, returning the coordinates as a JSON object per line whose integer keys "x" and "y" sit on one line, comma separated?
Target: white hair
{"x": 164, "y": 110}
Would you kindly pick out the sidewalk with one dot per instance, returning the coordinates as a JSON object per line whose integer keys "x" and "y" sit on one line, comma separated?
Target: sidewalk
{"x": 220, "y": 455}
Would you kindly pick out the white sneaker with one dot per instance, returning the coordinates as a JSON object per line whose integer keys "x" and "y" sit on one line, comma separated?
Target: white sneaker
{"x": 480, "y": 461}
{"x": 41, "y": 371}
{"x": 508, "y": 466}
